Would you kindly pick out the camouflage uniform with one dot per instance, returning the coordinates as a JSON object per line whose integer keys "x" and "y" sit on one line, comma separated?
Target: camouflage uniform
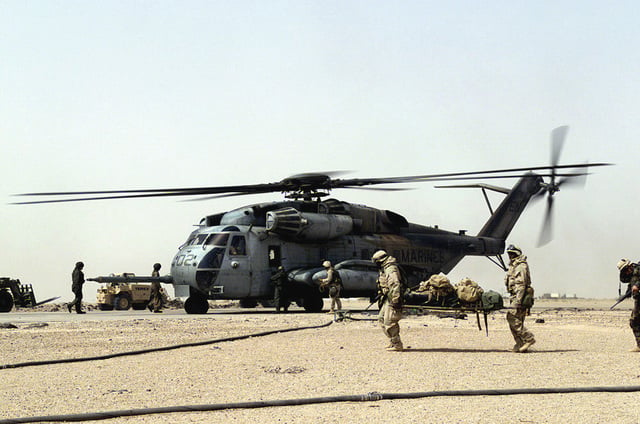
{"x": 155, "y": 300}
{"x": 390, "y": 287}
{"x": 77, "y": 280}
{"x": 334, "y": 286}
{"x": 280, "y": 282}
{"x": 517, "y": 280}
{"x": 630, "y": 273}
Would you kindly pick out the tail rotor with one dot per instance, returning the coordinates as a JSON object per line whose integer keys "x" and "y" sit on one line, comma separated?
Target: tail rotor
{"x": 578, "y": 179}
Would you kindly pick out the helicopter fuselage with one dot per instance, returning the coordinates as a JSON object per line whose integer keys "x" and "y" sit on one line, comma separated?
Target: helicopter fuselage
{"x": 235, "y": 257}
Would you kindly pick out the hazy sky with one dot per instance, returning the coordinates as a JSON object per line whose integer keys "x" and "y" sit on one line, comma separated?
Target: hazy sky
{"x": 125, "y": 95}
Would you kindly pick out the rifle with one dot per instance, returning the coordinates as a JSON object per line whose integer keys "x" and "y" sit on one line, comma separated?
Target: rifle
{"x": 375, "y": 300}
{"x": 626, "y": 295}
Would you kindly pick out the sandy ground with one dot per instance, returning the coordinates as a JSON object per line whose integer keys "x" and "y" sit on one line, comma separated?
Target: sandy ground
{"x": 580, "y": 343}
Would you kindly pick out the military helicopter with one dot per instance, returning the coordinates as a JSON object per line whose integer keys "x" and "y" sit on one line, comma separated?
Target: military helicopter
{"x": 231, "y": 255}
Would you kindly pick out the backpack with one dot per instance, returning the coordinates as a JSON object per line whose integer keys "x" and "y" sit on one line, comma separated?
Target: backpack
{"x": 469, "y": 291}
{"x": 492, "y": 300}
{"x": 337, "y": 279}
{"x": 439, "y": 286}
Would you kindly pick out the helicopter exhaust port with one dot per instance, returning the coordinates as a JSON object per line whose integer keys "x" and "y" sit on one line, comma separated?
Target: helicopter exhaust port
{"x": 301, "y": 226}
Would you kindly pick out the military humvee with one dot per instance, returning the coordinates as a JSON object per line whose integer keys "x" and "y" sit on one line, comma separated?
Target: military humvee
{"x": 122, "y": 296}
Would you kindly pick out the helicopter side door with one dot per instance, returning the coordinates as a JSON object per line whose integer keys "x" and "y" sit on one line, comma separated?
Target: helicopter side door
{"x": 236, "y": 275}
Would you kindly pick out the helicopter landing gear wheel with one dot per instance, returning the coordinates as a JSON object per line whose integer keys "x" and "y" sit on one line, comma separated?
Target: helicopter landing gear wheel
{"x": 312, "y": 302}
{"x": 6, "y": 301}
{"x": 196, "y": 305}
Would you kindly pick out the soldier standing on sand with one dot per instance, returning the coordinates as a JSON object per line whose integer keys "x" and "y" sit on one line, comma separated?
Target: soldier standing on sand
{"x": 630, "y": 274}
{"x": 390, "y": 288}
{"x": 280, "y": 282}
{"x": 77, "y": 280}
{"x": 334, "y": 283}
{"x": 518, "y": 284}
{"x": 155, "y": 301}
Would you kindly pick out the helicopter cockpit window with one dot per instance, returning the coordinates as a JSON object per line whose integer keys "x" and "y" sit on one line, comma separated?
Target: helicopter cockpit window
{"x": 213, "y": 259}
{"x": 238, "y": 246}
{"x": 197, "y": 240}
{"x": 217, "y": 240}
{"x": 192, "y": 236}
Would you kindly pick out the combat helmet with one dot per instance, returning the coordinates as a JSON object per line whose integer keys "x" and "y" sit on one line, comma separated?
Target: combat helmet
{"x": 379, "y": 256}
{"x": 514, "y": 249}
{"x": 623, "y": 263}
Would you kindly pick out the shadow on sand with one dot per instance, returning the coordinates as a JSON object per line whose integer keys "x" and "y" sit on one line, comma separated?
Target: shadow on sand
{"x": 455, "y": 350}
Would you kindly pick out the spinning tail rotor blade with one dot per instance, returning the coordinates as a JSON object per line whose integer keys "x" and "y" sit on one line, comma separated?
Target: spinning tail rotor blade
{"x": 546, "y": 233}
{"x": 558, "y": 136}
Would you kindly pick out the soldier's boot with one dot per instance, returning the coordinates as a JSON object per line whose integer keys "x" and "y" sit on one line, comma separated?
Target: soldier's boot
{"x": 396, "y": 344}
{"x": 69, "y": 307}
{"x": 80, "y": 312}
{"x": 518, "y": 345}
{"x": 525, "y": 347}
{"x": 395, "y": 347}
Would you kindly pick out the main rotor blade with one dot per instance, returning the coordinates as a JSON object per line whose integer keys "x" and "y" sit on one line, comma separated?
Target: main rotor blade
{"x": 230, "y": 191}
{"x": 301, "y": 182}
{"x": 220, "y": 196}
{"x": 430, "y": 177}
{"x": 578, "y": 181}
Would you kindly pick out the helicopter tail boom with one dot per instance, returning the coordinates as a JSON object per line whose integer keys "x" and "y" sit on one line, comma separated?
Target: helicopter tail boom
{"x": 508, "y": 212}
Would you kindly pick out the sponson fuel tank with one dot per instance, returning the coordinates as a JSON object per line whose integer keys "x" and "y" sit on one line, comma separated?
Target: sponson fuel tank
{"x": 305, "y": 226}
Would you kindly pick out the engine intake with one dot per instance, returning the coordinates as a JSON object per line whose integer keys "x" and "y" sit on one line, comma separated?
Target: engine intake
{"x": 304, "y": 226}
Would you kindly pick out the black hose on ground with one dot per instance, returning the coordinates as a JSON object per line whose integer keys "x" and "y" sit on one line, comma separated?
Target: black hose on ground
{"x": 346, "y": 315}
{"x": 158, "y": 349}
{"x": 373, "y": 396}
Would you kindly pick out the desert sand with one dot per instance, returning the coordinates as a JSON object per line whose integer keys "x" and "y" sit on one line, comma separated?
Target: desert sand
{"x": 580, "y": 343}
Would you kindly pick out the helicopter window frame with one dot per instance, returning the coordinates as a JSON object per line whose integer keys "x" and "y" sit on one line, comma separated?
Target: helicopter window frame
{"x": 238, "y": 245}
{"x": 217, "y": 239}
{"x": 198, "y": 240}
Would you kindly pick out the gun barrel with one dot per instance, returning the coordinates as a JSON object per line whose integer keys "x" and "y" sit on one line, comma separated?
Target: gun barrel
{"x": 167, "y": 279}
{"x": 623, "y": 297}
